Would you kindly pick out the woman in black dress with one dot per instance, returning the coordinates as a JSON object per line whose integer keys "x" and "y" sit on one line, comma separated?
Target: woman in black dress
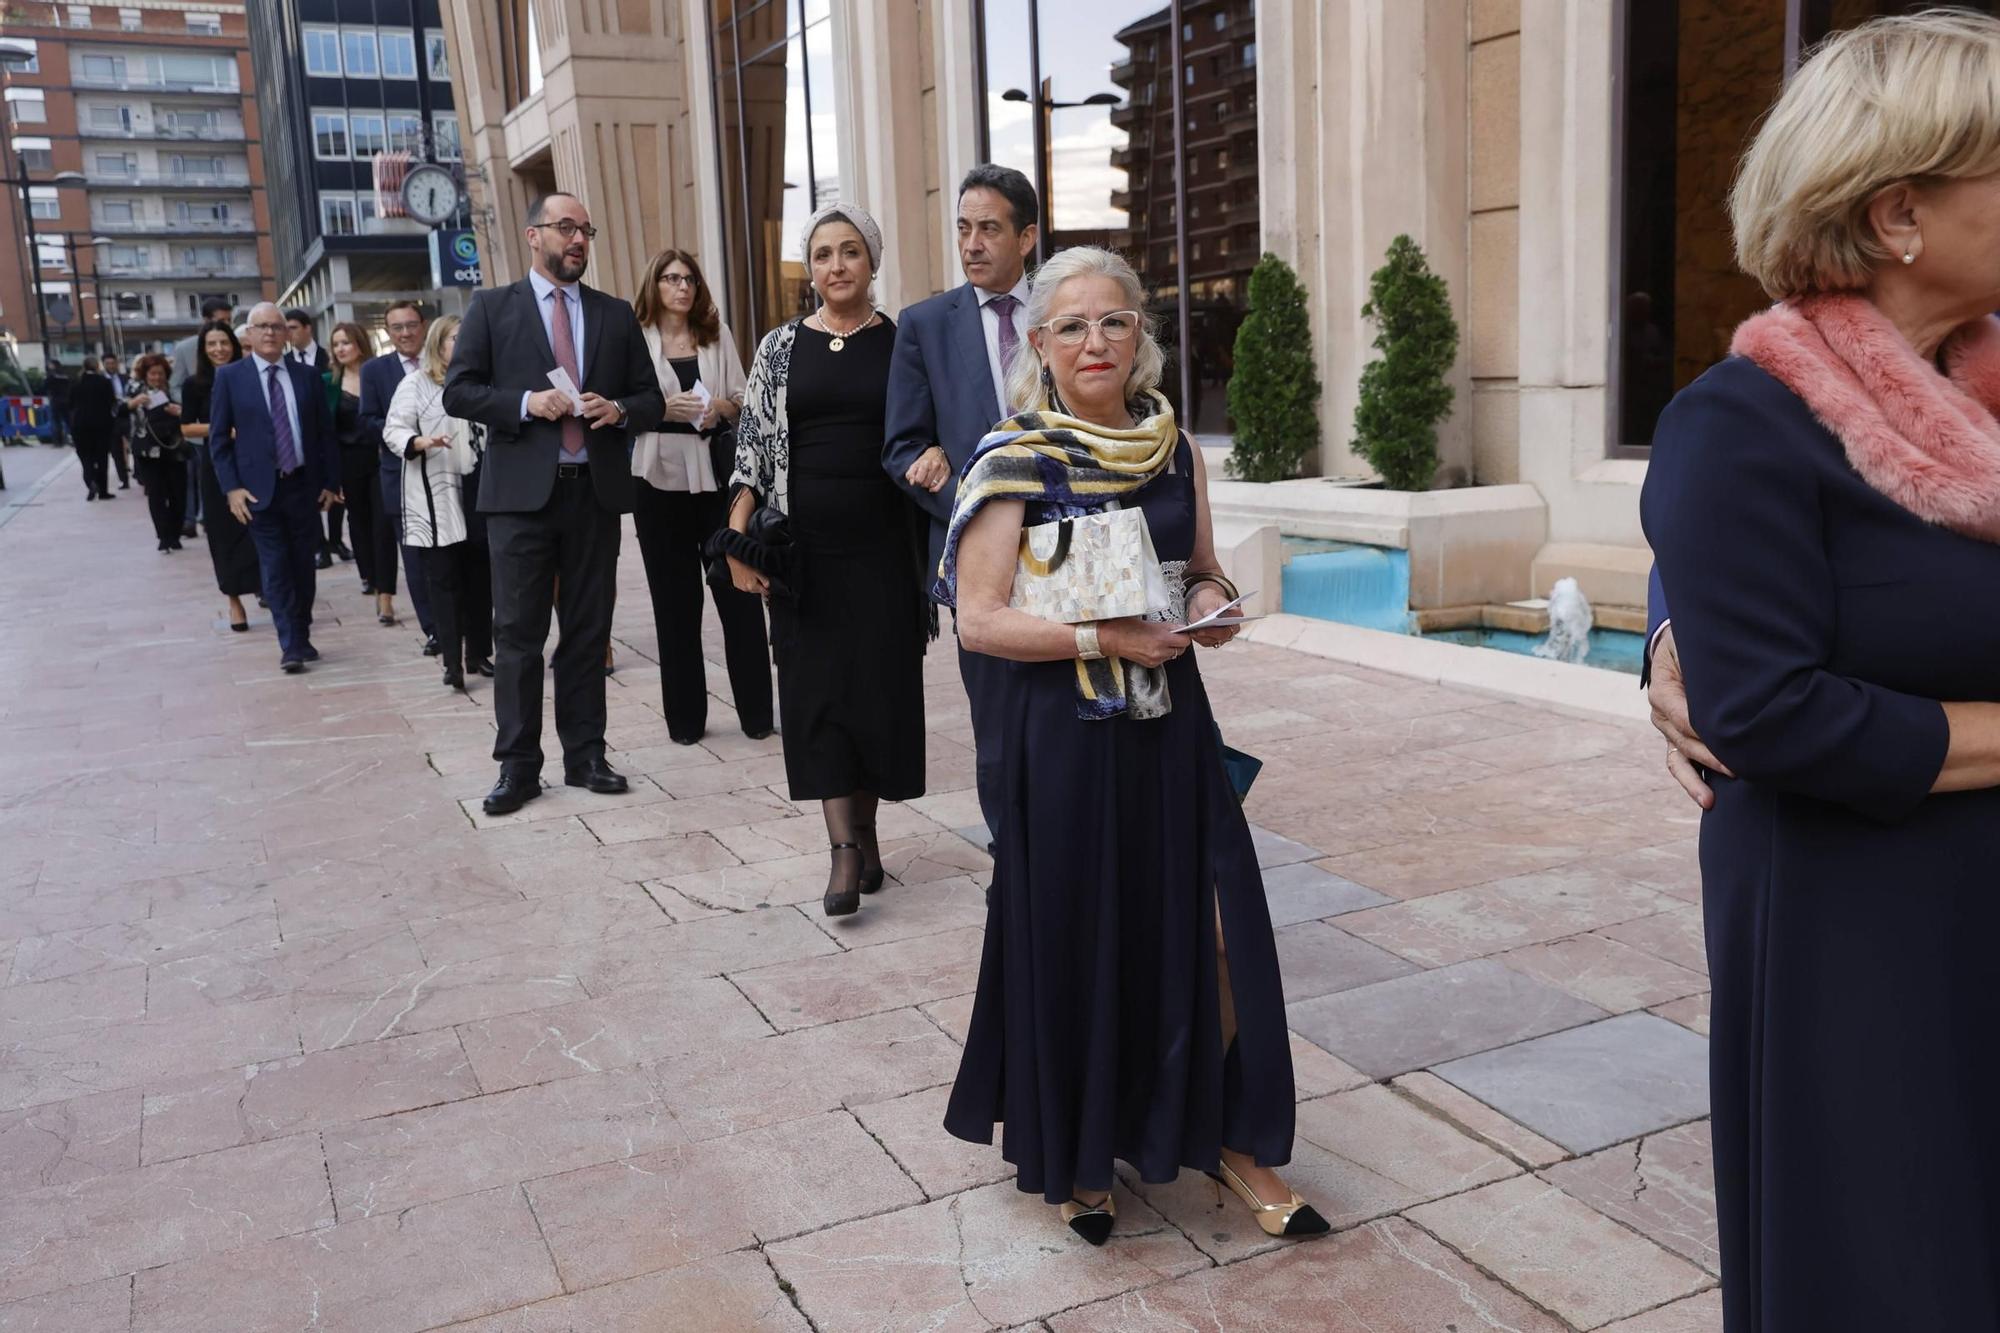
{"x": 230, "y": 549}
{"x": 1109, "y": 1024}
{"x": 159, "y": 453}
{"x": 847, "y": 618}
{"x": 349, "y": 347}
{"x": 1825, "y": 509}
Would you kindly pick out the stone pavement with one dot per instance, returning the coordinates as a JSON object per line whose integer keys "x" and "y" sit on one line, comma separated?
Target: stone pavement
{"x": 292, "y": 1038}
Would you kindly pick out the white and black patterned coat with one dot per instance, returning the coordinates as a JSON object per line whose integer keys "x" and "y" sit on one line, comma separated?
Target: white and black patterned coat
{"x": 763, "y": 429}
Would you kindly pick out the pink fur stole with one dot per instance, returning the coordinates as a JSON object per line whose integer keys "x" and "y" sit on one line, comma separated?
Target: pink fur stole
{"x": 1927, "y": 441}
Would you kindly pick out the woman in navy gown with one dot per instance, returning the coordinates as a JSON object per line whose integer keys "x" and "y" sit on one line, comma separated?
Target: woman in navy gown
{"x": 1109, "y": 1023}
{"x": 1825, "y": 508}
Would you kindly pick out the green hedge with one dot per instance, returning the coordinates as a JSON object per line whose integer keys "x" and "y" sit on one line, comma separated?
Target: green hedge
{"x": 1405, "y": 392}
{"x": 1274, "y": 392}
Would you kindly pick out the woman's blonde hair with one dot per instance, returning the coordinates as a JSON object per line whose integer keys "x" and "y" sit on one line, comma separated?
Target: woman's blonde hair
{"x": 1904, "y": 98}
{"x": 432, "y": 357}
{"x": 1027, "y": 391}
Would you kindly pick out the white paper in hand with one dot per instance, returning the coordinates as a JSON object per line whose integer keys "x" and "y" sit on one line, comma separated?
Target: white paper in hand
{"x": 560, "y": 378}
{"x": 1221, "y": 616}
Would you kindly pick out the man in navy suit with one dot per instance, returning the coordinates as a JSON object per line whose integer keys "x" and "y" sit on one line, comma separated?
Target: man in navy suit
{"x": 272, "y": 443}
{"x": 947, "y": 388}
{"x": 379, "y": 381}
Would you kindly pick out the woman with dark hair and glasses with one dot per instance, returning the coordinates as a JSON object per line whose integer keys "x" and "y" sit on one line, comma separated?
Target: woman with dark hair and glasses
{"x": 683, "y": 466}
{"x": 159, "y": 454}
{"x": 230, "y": 549}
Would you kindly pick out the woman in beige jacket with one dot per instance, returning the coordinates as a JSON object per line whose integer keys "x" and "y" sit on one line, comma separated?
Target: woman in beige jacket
{"x": 685, "y": 466}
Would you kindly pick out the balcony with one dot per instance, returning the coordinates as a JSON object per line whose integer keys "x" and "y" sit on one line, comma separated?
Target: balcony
{"x": 166, "y": 133}
{"x": 170, "y": 272}
{"x": 1122, "y": 72}
{"x": 154, "y": 84}
{"x": 171, "y": 180}
{"x": 177, "y": 227}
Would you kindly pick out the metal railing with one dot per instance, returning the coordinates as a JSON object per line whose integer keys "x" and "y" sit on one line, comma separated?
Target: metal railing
{"x": 181, "y": 180}
{"x": 176, "y": 227}
{"x": 165, "y": 133}
{"x": 149, "y": 83}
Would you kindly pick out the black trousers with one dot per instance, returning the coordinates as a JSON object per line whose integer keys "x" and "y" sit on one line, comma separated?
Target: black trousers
{"x": 165, "y": 480}
{"x": 359, "y": 485}
{"x": 575, "y": 539}
{"x": 382, "y": 536}
{"x": 118, "y": 447}
{"x": 672, "y": 525}
{"x": 334, "y": 514}
{"x": 286, "y": 532}
{"x": 461, "y": 579}
{"x": 983, "y": 685}
{"x": 93, "y": 450}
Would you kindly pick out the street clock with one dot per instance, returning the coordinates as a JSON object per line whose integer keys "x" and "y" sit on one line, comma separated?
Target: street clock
{"x": 430, "y": 194}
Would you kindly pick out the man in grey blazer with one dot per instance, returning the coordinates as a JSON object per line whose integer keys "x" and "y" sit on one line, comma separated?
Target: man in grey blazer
{"x": 947, "y": 388}
{"x": 556, "y": 478}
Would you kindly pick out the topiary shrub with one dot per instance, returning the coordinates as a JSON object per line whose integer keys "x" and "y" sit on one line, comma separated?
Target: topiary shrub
{"x": 1274, "y": 391}
{"x": 1404, "y": 392}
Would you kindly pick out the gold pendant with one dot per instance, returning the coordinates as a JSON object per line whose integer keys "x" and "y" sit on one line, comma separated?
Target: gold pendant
{"x": 837, "y": 343}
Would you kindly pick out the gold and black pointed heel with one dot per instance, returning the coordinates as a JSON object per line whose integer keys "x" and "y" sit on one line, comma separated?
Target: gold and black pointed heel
{"x": 1092, "y": 1221}
{"x": 841, "y": 902}
{"x": 1293, "y": 1218}
{"x": 871, "y": 882}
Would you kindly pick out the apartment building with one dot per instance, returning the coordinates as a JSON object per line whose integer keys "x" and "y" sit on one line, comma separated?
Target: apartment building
{"x": 353, "y": 94}
{"x": 139, "y": 133}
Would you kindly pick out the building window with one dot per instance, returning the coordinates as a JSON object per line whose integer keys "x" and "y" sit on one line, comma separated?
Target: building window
{"x": 43, "y": 203}
{"x": 1249, "y": 54}
{"x": 329, "y": 135}
{"x": 367, "y": 132}
{"x": 204, "y": 256}
{"x": 115, "y": 210}
{"x": 27, "y": 46}
{"x": 36, "y": 159}
{"x": 205, "y": 25}
{"x": 336, "y": 215}
{"x": 197, "y": 211}
{"x": 358, "y": 53}
{"x": 26, "y": 107}
{"x": 399, "y": 55}
{"x": 406, "y": 133}
{"x": 444, "y": 137}
{"x": 202, "y": 164}
{"x": 130, "y": 20}
{"x": 365, "y": 211}
{"x": 437, "y": 57}
{"x": 1109, "y": 173}
{"x": 322, "y": 46}
{"x": 115, "y": 164}
{"x": 79, "y": 16}
{"x": 128, "y": 256}
{"x": 104, "y": 69}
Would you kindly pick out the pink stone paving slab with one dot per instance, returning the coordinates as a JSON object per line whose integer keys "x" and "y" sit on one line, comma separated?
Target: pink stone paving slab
{"x": 435, "y": 997}
{"x": 416, "y": 1270}
{"x": 1691, "y": 1013}
{"x": 99, "y": 1307}
{"x": 1358, "y": 1156}
{"x": 557, "y": 870}
{"x": 1318, "y": 958}
{"x": 153, "y": 941}
{"x": 127, "y": 1055}
{"x": 320, "y": 904}
{"x": 697, "y": 814}
{"x": 912, "y": 1130}
{"x": 636, "y": 1025}
{"x": 1455, "y": 927}
{"x": 75, "y": 1003}
{"x": 1452, "y": 860}
{"x": 1474, "y": 1117}
{"x": 721, "y": 1089}
{"x": 1662, "y": 1186}
{"x": 906, "y": 912}
{"x": 721, "y": 778}
{"x": 733, "y": 1293}
{"x": 1615, "y": 977}
{"x": 1559, "y": 1253}
{"x": 1675, "y": 936}
{"x": 677, "y": 906}
{"x": 571, "y": 918}
{"x": 989, "y": 1258}
{"x": 438, "y": 1152}
{"x": 1386, "y": 1277}
{"x": 1696, "y": 1314}
{"x": 303, "y": 963}
{"x": 709, "y": 947}
{"x": 206, "y": 1112}
{"x": 559, "y": 801}
{"x": 1673, "y": 868}
{"x": 84, "y": 1231}
{"x": 827, "y": 989}
{"x": 605, "y": 1223}
{"x": 60, "y": 1142}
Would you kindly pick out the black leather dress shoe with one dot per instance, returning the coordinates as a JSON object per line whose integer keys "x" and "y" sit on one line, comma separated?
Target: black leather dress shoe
{"x": 597, "y": 776}
{"x": 510, "y": 793}
{"x": 454, "y": 679}
{"x": 431, "y": 648}
{"x": 324, "y": 560}
{"x": 310, "y": 653}
{"x": 291, "y": 666}
{"x": 483, "y": 665}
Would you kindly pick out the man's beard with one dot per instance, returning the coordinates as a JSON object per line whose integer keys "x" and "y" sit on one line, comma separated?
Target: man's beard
{"x": 566, "y": 268}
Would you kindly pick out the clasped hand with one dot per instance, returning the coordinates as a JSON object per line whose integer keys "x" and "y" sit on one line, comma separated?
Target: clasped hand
{"x": 931, "y": 470}
{"x": 1668, "y": 696}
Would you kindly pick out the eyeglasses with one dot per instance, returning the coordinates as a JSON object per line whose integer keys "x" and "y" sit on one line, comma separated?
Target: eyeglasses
{"x": 410, "y": 326}
{"x": 1069, "y": 330}
{"x": 265, "y": 327}
{"x": 680, "y": 280}
{"x": 568, "y": 230}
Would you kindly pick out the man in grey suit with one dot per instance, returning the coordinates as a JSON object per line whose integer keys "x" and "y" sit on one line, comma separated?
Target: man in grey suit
{"x": 947, "y": 388}
{"x": 556, "y": 478}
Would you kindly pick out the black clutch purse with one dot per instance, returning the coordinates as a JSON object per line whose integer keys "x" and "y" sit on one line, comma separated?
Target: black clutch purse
{"x": 766, "y": 547}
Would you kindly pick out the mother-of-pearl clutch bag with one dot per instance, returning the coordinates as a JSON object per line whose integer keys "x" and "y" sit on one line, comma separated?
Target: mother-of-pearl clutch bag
{"x": 1097, "y": 567}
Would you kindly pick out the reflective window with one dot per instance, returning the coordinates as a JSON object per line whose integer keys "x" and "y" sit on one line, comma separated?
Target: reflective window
{"x": 399, "y": 55}
{"x": 322, "y": 50}
{"x": 780, "y": 157}
{"x": 330, "y": 135}
{"x": 366, "y": 130}
{"x": 444, "y": 136}
{"x": 437, "y": 57}
{"x": 406, "y": 132}
{"x": 1099, "y": 141}
{"x": 359, "y": 53}
{"x": 336, "y": 214}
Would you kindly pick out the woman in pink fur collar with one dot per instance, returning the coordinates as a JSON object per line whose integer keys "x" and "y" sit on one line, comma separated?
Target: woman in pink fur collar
{"x": 1825, "y": 509}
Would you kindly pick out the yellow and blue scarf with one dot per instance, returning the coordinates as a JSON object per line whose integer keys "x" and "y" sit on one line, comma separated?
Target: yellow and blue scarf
{"x": 1071, "y": 467}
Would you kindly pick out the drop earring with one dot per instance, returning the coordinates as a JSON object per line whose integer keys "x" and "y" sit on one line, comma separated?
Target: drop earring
{"x": 1909, "y": 257}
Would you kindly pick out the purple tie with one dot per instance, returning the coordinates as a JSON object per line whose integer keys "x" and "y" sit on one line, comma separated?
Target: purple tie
{"x": 565, "y": 349}
{"x": 281, "y": 425}
{"x": 1010, "y": 341}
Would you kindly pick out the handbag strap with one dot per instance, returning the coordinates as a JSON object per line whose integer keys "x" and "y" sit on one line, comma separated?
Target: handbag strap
{"x": 1039, "y": 567}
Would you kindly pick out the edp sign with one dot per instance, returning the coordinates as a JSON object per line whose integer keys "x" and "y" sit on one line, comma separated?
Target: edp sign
{"x": 454, "y": 258}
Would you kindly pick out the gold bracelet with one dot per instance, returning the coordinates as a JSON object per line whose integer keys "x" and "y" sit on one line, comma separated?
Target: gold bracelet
{"x": 1086, "y": 643}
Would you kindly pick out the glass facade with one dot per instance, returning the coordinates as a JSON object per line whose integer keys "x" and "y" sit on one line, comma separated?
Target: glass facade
{"x": 778, "y": 151}
{"x": 1082, "y": 100}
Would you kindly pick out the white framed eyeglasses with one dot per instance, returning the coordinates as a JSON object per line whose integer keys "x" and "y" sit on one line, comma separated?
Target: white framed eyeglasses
{"x": 1117, "y": 326}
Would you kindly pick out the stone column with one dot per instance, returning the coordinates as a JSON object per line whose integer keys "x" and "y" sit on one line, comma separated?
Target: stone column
{"x": 878, "y": 90}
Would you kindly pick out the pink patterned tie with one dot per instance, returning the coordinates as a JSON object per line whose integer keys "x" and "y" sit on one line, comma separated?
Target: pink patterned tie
{"x": 1010, "y": 341}
{"x": 572, "y": 427}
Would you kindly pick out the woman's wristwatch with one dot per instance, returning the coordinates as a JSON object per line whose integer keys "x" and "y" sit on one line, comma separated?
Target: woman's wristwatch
{"x": 1087, "y": 647}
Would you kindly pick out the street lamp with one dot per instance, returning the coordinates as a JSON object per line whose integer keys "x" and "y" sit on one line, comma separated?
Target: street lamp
{"x": 1044, "y": 105}
{"x": 96, "y": 285}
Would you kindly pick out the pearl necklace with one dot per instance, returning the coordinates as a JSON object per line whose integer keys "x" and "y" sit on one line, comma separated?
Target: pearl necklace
{"x": 840, "y": 336}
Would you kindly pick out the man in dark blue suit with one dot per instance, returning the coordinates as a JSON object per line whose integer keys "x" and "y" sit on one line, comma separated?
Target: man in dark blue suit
{"x": 947, "y": 388}
{"x": 272, "y": 443}
{"x": 379, "y": 381}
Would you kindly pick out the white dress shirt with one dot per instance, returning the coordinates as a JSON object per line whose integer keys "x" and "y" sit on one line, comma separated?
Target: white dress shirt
{"x": 989, "y": 323}
{"x": 291, "y": 398}
{"x": 547, "y": 310}
{"x": 307, "y": 356}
